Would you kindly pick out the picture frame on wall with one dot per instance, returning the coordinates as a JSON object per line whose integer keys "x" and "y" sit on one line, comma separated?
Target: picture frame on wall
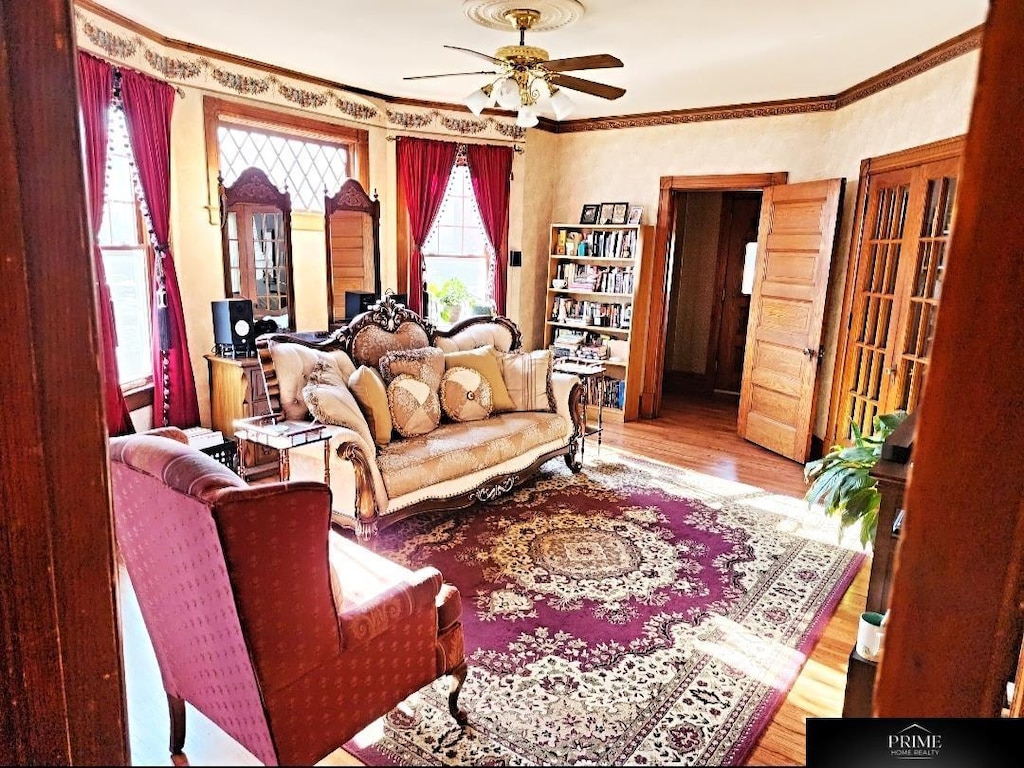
{"x": 606, "y": 213}
{"x": 589, "y": 213}
{"x": 619, "y": 212}
{"x": 635, "y": 212}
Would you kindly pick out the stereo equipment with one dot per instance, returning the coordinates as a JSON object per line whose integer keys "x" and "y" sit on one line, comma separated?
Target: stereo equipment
{"x": 234, "y": 332}
{"x": 401, "y": 298}
{"x": 358, "y": 301}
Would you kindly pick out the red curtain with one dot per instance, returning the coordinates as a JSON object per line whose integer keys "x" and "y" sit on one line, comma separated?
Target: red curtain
{"x": 490, "y": 168}
{"x": 147, "y": 105}
{"x": 424, "y": 167}
{"x": 96, "y": 90}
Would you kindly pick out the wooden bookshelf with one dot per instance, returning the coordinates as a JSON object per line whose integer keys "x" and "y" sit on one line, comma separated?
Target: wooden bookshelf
{"x": 605, "y": 299}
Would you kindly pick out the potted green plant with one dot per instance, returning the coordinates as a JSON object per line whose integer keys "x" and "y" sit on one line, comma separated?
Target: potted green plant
{"x": 841, "y": 481}
{"x": 449, "y": 296}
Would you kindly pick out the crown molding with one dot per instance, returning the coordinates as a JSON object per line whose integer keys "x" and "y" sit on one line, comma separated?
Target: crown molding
{"x": 933, "y": 57}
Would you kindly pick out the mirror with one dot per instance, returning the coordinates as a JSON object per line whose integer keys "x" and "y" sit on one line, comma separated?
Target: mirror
{"x": 256, "y": 237}
{"x": 352, "y": 226}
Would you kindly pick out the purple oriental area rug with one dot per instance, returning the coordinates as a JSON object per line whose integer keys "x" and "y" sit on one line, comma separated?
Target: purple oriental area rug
{"x": 632, "y": 614}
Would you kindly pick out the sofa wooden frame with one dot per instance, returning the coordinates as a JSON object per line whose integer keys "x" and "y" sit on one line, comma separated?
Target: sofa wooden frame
{"x": 388, "y": 315}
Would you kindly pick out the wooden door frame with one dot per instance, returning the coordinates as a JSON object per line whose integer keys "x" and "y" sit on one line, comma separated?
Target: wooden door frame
{"x": 955, "y": 597}
{"x": 654, "y": 352}
{"x": 60, "y": 659}
{"x": 943, "y": 149}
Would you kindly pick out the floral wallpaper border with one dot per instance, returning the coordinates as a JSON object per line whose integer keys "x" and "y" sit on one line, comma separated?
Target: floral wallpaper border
{"x": 131, "y": 49}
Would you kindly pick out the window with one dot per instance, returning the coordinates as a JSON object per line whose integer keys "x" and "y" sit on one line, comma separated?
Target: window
{"x": 457, "y": 253}
{"x": 126, "y": 259}
{"x": 305, "y": 155}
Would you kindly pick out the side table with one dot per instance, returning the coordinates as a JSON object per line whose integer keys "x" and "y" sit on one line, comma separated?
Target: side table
{"x": 282, "y": 435}
{"x": 593, "y": 378}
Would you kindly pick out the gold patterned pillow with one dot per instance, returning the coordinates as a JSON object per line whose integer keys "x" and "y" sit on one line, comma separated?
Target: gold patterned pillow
{"x": 465, "y": 394}
{"x": 425, "y": 364}
{"x": 527, "y": 376}
{"x": 414, "y": 405}
{"x": 372, "y": 396}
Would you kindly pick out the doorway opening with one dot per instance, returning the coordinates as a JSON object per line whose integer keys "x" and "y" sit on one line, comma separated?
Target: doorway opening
{"x": 709, "y": 282}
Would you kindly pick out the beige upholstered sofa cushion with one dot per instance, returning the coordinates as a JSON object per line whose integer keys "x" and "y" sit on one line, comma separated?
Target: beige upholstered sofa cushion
{"x": 330, "y": 402}
{"x": 477, "y": 335}
{"x": 414, "y": 405}
{"x": 293, "y": 364}
{"x": 423, "y": 363}
{"x": 485, "y": 361}
{"x": 455, "y": 450}
{"x": 528, "y": 378}
{"x": 372, "y": 342}
{"x": 368, "y": 388}
{"x": 465, "y": 395}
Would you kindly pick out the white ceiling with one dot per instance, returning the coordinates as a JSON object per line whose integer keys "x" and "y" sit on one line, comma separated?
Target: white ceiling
{"x": 677, "y": 54}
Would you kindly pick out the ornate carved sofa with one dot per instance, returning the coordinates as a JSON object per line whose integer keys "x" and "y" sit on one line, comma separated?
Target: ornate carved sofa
{"x": 376, "y": 480}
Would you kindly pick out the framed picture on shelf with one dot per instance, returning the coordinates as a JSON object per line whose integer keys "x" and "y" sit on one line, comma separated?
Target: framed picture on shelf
{"x": 589, "y": 213}
{"x": 635, "y": 212}
{"x": 619, "y": 213}
{"x": 606, "y": 213}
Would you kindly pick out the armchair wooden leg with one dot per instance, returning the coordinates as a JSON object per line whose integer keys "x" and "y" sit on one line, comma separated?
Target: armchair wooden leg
{"x": 458, "y": 677}
{"x": 177, "y": 710}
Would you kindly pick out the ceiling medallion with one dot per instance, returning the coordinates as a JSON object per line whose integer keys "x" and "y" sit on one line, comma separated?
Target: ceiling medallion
{"x": 553, "y": 14}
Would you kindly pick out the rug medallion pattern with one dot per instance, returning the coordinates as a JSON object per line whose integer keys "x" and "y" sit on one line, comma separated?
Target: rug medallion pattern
{"x": 631, "y": 614}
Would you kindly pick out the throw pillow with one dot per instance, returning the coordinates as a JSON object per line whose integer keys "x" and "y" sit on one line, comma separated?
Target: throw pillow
{"x": 293, "y": 363}
{"x": 425, "y": 364}
{"x": 415, "y": 408}
{"x": 465, "y": 394}
{"x": 484, "y": 360}
{"x": 368, "y": 388}
{"x": 527, "y": 376}
{"x": 330, "y": 402}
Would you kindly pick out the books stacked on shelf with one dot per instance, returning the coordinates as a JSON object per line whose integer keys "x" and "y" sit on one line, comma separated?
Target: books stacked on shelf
{"x": 610, "y": 244}
{"x": 590, "y": 313}
{"x": 568, "y": 340}
{"x": 590, "y": 277}
{"x": 614, "y": 393}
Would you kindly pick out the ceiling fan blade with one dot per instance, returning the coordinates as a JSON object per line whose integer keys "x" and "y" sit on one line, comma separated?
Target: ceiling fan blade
{"x": 587, "y": 86}
{"x": 451, "y": 74}
{"x": 597, "y": 61}
{"x": 486, "y": 56}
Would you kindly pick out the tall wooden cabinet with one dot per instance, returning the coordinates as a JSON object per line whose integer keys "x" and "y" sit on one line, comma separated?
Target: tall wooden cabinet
{"x": 905, "y": 217}
{"x": 598, "y": 291}
{"x": 237, "y": 391}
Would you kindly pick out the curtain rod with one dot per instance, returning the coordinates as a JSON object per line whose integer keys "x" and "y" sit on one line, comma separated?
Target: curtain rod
{"x": 515, "y": 147}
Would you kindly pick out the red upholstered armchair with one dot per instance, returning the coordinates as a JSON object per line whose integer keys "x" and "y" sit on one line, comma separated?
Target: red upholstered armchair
{"x": 286, "y": 635}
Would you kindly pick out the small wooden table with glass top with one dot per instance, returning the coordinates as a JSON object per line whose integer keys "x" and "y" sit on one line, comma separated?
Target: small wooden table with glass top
{"x": 283, "y": 434}
{"x": 593, "y": 378}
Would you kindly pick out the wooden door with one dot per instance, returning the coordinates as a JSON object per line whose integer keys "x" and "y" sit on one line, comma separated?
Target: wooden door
{"x": 897, "y": 281}
{"x": 740, "y": 214}
{"x": 794, "y": 254}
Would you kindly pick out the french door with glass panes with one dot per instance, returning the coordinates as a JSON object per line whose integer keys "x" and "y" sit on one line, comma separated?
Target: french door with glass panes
{"x": 907, "y": 217}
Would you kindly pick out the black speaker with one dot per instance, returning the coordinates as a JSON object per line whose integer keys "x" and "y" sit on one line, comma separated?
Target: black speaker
{"x": 233, "y": 329}
{"x": 401, "y": 298}
{"x": 358, "y": 301}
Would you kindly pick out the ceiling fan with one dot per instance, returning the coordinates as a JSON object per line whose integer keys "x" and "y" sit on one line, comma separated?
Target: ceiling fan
{"x": 526, "y": 76}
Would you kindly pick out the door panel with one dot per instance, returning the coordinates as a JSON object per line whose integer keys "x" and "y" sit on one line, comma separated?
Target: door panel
{"x": 795, "y": 243}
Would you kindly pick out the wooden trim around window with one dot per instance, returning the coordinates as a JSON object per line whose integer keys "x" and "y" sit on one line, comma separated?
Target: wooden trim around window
{"x": 907, "y": 158}
{"x": 139, "y": 397}
{"x": 217, "y": 110}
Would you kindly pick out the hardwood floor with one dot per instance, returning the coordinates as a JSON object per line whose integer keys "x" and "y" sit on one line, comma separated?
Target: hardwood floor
{"x": 693, "y": 432}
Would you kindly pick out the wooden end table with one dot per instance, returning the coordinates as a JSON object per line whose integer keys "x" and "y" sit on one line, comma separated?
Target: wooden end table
{"x": 593, "y": 377}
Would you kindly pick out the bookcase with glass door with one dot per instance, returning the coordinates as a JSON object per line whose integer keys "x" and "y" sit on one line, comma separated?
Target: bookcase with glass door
{"x": 597, "y": 307}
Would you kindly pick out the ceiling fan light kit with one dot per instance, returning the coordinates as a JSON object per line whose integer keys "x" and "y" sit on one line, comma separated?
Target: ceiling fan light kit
{"x": 526, "y": 78}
